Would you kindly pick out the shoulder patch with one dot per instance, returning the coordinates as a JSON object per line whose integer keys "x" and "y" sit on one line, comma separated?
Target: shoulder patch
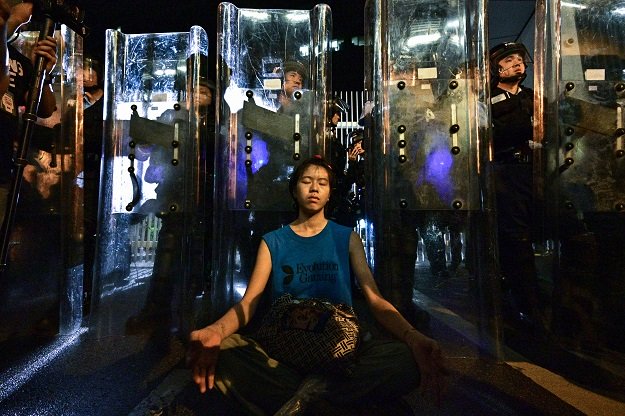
{"x": 498, "y": 98}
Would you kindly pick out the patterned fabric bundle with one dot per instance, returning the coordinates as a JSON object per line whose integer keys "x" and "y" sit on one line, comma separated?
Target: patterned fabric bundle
{"x": 311, "y": 335}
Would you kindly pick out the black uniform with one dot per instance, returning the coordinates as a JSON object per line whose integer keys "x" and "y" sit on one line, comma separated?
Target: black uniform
{"x": 512, "y": 124}
{"x": 512, "y": 131}
{"x": 348, "y": 209}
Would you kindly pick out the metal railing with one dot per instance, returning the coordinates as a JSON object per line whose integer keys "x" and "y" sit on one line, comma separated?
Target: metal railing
{"x": 143, "y": 240}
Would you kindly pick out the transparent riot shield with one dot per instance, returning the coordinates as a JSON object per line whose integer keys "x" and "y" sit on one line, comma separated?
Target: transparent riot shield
{"x": 42, "y": 282}
{"x": 267, "y": 123}
{"x": 584, "y": 174}
{"x": 149, "y": 262}
{"x": 428, "y": 193}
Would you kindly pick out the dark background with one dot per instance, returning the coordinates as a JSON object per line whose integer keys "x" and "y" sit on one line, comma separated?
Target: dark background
{"x": 161, "y": 16}
{"x": 507, "y": 20}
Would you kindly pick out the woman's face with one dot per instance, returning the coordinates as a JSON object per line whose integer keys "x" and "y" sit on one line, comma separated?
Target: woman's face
{"x": 313, "y": 189}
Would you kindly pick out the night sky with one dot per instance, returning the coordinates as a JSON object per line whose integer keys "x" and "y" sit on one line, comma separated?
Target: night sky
{"x": 158, "y": 16}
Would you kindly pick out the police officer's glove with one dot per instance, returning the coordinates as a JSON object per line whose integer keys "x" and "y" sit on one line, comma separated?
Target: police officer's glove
{"x": 534, "y": 145}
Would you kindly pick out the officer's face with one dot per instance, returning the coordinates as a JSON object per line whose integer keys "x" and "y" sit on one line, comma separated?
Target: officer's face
{"x": 511, "y": 65}
{"x": 204, "y": 96}
{"x": 89, "y": 77}
{"x": 292, "y": 82}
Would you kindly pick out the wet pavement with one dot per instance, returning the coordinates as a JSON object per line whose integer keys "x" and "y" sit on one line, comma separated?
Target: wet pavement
{"x": 145, "y": 374}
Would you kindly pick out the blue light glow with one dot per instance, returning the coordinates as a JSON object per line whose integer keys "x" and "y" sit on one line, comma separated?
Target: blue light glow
{"x": 438, "y": 164}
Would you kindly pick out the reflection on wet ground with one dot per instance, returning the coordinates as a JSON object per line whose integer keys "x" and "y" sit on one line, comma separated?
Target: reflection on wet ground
{"x": 598, "y": 370}
{"x": 139, "y": 374}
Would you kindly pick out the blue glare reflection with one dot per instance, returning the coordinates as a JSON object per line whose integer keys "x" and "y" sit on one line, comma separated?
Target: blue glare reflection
{"x": 260, "y": 155}
{"x": 436, "y": 171}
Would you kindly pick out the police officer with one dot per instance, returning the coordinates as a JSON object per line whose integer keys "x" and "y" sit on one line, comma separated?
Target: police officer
{"x": 512, "y": 108}
{"x": 350, "y": 198}
{"x": 338, "y": 151}
{"x": 338, "y": 157}
{"x": 512, "y": 104}
{"x": 294, "y": 76}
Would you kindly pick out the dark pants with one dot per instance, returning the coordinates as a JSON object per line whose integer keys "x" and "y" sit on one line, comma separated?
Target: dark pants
{"x": 385, "y": 370}
{"x": 514, "y": 193}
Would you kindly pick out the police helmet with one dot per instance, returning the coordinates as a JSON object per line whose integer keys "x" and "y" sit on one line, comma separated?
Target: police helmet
{"x": 295, "y": 66}
{"x": 356, "y": 136}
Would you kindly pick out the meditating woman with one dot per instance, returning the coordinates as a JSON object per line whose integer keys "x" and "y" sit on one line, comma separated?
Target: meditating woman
{"x": 314, "y": 257}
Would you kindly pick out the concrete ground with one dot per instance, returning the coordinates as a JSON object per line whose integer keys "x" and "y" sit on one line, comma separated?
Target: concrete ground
{"x": 141, "y": 375}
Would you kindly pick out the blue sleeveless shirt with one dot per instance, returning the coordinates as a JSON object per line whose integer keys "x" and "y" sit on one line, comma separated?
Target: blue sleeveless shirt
{"x": 307, "y": 267}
